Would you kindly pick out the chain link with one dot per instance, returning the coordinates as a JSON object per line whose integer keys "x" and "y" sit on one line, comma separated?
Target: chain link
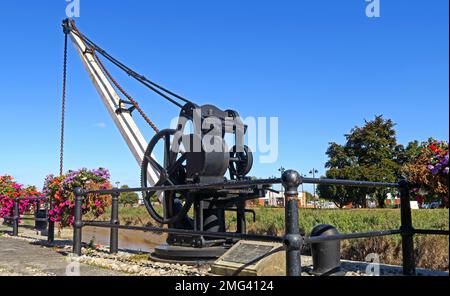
{"x": 63, "y": 109}
{"x": 91, "y": 50}
{"x": 133, "y": 102}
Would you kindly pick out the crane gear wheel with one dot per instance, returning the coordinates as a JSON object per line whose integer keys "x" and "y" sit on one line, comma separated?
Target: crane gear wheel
{"x": 241, "y": 164}
{"x": 170, "y": 173}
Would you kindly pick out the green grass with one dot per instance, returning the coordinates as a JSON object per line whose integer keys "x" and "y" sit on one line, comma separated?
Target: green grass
{"x": 271, "y": 221}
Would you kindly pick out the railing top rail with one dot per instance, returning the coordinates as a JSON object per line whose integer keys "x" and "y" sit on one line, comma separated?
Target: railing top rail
{"x": 244, "y": 184}
{"x": 221, "y": 185}
{"x": 31, "y": 198}
{"x": 349, "y": 183}
{"x": 255, "y": 237}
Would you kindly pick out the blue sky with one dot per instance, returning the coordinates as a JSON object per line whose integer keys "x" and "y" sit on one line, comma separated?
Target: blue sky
{"x": 322, "y": 67}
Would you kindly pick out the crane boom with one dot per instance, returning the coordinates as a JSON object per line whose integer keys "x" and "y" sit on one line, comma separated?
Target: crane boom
{"x": 123, "y": 120}
{"x": 184, "y": 162}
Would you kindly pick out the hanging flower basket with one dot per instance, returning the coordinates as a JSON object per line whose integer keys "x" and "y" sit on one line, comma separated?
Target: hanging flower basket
{"x": 9, "y": 191}
{"x": 430, "y": 169}
{"x": 60, "y": 192}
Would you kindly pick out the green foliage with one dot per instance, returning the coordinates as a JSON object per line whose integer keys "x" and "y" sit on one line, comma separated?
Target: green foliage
{"x": 271, "y": 221}
{"x": 342, "y": 195}
{"x": 154, "y": 198}
{"x": 413, "y": 150}
{"x": 128, "y": 198}
{"x": 371, "y": 153}
{"x": 309, "y": 196}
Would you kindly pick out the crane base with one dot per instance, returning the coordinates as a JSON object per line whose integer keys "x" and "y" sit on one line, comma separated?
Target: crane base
{"x": 187, "y": 255}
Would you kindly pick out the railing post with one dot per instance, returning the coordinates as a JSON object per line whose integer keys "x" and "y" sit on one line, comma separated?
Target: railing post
{"x": 409, "y": 264}
{"x": 114, "y": 238}
{"x": 51, "y": 224}
{"x": 16, "y": 217}
{"x": 38, "y": 207}
{"x": 78, "y": 223}
{"x": 293, "y": 239}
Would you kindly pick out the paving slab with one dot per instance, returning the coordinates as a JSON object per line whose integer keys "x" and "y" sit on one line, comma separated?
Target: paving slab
{"x": 22, "y": 258}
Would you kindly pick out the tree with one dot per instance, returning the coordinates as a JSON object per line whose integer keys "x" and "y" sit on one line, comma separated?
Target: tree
{"x": 408, "y": 154}
{"x": 309, "y": 196}
{"x": 128, "y": 198}
{"x": 371, "y": 153}
{"x": 342, "y": 195}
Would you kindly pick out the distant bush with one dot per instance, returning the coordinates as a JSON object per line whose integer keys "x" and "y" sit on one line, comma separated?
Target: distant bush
{"x": 128, "y": 198}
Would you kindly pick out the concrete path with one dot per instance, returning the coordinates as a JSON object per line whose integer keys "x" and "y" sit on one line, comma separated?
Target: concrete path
{"x": 22, "y": 258}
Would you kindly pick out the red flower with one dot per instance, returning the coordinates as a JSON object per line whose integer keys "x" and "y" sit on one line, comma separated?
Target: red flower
{"x": 435, "y": 149}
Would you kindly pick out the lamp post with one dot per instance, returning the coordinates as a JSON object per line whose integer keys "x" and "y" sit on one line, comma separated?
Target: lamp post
{"x": 313, "y": 172}
{"x": 281, "y": 170}
{"x": 304, "y": 197}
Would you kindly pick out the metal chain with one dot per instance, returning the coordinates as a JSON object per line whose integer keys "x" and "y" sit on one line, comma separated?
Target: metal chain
{"x": 158, "y": 89}
{"x": 63, "y": 109}
{"x": 133, "y": 102}
{"x": 118, "y": 86}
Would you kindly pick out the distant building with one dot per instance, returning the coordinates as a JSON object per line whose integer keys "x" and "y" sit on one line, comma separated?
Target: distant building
{"x": 273, "y": 199}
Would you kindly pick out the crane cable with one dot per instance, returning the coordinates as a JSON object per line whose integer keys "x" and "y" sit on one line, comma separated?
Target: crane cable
{"x": 118, "y": 86}
{"x": 64, "y": 90}
{"x": 63, "y": 108}
{"x": 133, "y": 102}
{"x": 158, "y": 89}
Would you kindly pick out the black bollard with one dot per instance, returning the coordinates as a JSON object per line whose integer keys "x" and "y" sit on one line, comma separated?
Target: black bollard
{"x": 16, "y": 217}
{"x": 326, "y": 255}
{"x": 40, "y": 225}
{"x": 114, "y": 238}
{"x": 409, "y": 263}
{"x": 78, "y": 223}
{"x": 293, "y": 239}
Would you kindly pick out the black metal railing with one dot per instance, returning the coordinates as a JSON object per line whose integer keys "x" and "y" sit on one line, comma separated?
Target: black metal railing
{"x": 293, "y": 240}
{"x": 16, "y": 217}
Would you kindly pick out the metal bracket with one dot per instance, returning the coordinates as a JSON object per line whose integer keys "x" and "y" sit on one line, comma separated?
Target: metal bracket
{"x": 67, "y": 26}
{"x": 88, "y": 50}
{"x": 122, "y": 109}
